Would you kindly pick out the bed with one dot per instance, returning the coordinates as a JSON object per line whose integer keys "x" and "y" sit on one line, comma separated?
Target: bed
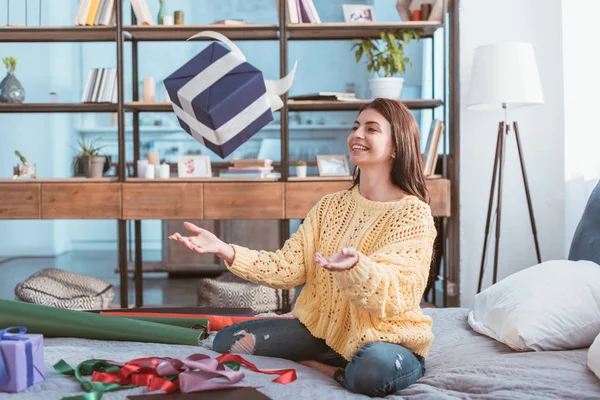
{"x": 462, "y": 365}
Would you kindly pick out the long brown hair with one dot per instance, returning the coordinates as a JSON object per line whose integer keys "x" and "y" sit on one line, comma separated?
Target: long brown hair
{"x": 407, "y": 168}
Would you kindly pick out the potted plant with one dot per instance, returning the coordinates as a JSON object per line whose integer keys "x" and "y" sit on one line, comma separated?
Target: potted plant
{"x": 386, "y": 58}
{"x": 301, "y": 169}
{"x": 24, "y": 169}
{"x": 88, "y": 161}
{"x": 11, "y": 90}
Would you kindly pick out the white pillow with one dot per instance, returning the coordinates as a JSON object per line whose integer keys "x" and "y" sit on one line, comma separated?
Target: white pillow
{"x": 593, "y": 360}
{"x": 554, "y": 305}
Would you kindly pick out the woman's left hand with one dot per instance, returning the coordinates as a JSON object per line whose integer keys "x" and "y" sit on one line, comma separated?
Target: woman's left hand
{"x": 342, "y": 261}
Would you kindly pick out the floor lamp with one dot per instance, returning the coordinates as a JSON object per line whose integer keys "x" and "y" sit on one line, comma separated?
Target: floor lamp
{"x": 504, "y": 76}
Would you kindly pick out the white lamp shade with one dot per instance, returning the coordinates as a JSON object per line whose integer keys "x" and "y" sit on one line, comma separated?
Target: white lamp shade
{"x": 504, "y": 74}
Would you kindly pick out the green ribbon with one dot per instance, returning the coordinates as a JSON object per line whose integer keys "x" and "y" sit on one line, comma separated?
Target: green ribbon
{"x": 234, "y": 365}
{"x": 95, "y": 389}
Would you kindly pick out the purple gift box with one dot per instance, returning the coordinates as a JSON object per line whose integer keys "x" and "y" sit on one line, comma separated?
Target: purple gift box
{"x": 220, "y": 99}
{"x": 21, "y": 359}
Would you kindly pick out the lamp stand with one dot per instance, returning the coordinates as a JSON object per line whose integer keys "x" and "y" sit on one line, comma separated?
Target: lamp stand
{"x": 503, "y": 129}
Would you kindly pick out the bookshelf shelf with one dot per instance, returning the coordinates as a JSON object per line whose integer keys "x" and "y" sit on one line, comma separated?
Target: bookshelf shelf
{"x": 332, "y": 105}
{"x": 140, "y": 106}
{"x": 320, "y": 179}
{"x": 58, "y": 180}
{"x": 349, "y": 31}
{"x": 215, "y": 179}
{"x": 298, "y": 105}
{"x": 58, "y": 34}
{"x": 183, "y": 32}
{"x": 58, "y": 108}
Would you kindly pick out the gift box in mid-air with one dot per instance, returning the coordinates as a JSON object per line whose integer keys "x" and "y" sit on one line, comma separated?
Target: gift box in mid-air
{"x": 220, "y": 99}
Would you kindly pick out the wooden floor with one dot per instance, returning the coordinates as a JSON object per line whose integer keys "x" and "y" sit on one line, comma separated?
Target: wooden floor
{"x": 158, "y": 287}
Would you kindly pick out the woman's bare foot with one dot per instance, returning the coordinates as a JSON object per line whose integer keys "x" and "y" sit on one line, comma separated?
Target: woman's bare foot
{"x": 326, "y": 369}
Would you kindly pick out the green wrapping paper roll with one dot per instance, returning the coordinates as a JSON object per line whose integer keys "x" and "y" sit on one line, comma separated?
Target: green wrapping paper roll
{"x": 190, "y": 323}
{"x": 57, "y": 322}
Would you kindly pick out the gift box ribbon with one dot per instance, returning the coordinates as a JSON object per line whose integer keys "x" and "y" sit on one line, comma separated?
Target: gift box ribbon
{"x": 192, "y": 374}
{"x": 214, "y": 72}
{"x": 5, "y": 334}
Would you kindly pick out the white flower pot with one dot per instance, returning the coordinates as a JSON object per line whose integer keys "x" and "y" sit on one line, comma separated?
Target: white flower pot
{"x": 97, "y": 167}
{"x": 388, "y": 88}
{"x": 301, "y": 171}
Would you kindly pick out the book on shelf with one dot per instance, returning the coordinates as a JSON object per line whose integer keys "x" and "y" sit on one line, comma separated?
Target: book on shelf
{"x": 301, "y": 11}
{"x": 339, "y": 96}
{"x": 96, "y": 13}
{"x": 230, "y": 22}
{"x": 100, "y": 86}
{"x": 142, "y": 12}
{"x": 432, "y": 146}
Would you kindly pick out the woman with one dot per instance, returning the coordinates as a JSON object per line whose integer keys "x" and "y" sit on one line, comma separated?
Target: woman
{"x": 363, "y": 255}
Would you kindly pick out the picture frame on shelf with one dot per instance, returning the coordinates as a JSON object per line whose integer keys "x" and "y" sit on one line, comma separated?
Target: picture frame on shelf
{"x": 194, "y": 167}
{"x": 358, "y": 13}
{"x": 333, "y": 165}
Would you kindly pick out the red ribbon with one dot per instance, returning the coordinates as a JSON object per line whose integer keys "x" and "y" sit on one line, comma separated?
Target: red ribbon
{"x": 144, "y": 372}
{"x": 138, "y": 373}
{"x": 285, "y": 375}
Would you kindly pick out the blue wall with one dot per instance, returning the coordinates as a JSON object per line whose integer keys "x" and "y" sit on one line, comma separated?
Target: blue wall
{"x": 48, "y": 139}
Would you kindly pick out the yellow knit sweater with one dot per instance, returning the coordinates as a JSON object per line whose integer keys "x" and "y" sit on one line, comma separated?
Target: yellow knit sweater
{"x": 375, "y": 301}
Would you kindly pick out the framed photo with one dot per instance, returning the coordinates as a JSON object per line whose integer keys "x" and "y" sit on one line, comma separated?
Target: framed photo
{"x": 194, "y": 167}
{"x": 333, "y": 165}
{"x": 358, "y": 13}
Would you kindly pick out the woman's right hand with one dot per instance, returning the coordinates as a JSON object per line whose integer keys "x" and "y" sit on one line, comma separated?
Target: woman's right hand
{"x": 205, "y": 242}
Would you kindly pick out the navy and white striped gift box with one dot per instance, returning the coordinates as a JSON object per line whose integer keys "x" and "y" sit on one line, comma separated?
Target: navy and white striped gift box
{"x": 220, "y": 99}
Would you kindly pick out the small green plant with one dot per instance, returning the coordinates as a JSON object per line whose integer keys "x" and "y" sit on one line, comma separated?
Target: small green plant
{"x": 21, "y": 157}
{"x": 386, "y": 55}
{"x": 10, "y": 63}
{"x": 300, "y": 163}
{"x": 86, "y": 149}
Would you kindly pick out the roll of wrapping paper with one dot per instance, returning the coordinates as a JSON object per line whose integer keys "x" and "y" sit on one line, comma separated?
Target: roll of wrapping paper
{"x": 216, "y": 322}
{"x": 57, "y": 322}
{"x": 199, "y": 324}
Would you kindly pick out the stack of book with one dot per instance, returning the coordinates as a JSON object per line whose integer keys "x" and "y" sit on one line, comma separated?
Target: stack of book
{"x": 96, "y": 13}
{"x": 250, "y": 168}
{"x": 301, "y": 11}
{"x": 432, "y": 147}
{"x": 100, "y": 86}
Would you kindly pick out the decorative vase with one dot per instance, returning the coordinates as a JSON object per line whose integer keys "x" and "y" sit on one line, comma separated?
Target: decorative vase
{"x": 24, "y": 171}
{"x": 162, "y": 12}
{"x": 301, "y": 171}
{"x": 97, "y": 167}
{"x": 387, "y": 88}
{"x": 11, "y": 90}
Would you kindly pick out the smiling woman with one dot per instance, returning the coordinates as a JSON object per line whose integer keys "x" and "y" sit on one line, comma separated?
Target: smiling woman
{"x": 363, "y": 255}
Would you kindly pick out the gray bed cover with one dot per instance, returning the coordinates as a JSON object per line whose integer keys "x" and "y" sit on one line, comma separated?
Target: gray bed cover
{"x": 462, "y": 365}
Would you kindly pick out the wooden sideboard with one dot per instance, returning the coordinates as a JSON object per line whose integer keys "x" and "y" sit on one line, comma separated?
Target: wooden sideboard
{"x": 172, "y": 199}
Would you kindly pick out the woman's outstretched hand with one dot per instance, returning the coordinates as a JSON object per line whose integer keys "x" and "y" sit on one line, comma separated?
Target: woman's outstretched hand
{"x": 205, "y": 242}
{"x": 342, "y": 261}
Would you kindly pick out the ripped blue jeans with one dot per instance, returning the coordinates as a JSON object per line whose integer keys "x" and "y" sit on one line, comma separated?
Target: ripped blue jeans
{"x": 376, "y": 370}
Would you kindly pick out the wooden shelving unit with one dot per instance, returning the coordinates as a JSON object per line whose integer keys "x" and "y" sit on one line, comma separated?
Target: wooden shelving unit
{"x": 58, "y": 108}
{"x": 182, "y": 33}
{"x": 321, "y": 105}
{"x": 58, "y": 34}
{"x": 297, "y": 105}
{"x": 124, "y": 198}
{"x": 346, "y": 31}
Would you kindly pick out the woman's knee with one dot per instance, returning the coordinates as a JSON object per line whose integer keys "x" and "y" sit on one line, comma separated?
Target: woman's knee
{"x": 234, "y": 339}
{"x": 379, "y": 369}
